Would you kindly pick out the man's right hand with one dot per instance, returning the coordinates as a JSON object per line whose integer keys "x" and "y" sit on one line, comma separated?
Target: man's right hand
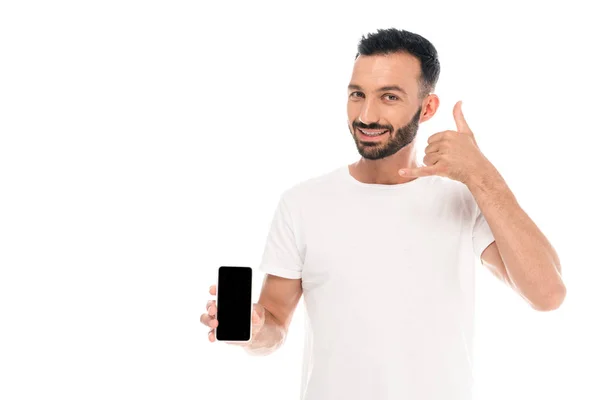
{"x": 209, "y": 319}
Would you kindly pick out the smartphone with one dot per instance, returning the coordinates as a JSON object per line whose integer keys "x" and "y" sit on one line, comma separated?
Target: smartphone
{"x": 234, "y": 304}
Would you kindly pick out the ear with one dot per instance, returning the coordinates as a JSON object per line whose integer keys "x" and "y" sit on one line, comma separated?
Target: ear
{"x": 430, "y": 105}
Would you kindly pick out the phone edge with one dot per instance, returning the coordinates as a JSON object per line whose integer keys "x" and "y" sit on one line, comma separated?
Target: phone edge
{"x": 217, "y": 304}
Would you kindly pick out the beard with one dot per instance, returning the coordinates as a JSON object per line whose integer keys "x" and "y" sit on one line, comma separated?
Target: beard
{"x": 399, "y": 139}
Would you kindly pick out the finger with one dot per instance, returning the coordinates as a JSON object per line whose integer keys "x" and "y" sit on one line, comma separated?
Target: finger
{"x": 205, "y": 319}
{"x": 209, "y": 321}
{"x": 211, "y": 307}
{"x": 433, "y": 148}
{"x": 213, "y": 290}
{"x": 418, "y": 172}
{"x": 211, "y": 336}
{"x": 431, "y": 158}
{"x": 439, "y": 136}
{"x": 459, "y": 118}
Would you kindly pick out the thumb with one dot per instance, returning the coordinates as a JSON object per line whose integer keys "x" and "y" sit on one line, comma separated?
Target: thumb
{"x": 459, "y": 118}
{"x": 258, "y": 315}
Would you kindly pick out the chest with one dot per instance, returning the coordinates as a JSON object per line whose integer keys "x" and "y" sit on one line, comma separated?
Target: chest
{"x": 385, "y": 246}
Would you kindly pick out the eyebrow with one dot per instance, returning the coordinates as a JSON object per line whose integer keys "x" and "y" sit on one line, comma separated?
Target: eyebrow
{"x": 381, "y": 89}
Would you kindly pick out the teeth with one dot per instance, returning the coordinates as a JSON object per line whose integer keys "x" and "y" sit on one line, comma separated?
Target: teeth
{"x": 372, "y": 134}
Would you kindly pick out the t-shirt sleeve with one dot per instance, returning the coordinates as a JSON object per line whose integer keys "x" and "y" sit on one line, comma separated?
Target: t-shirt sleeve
{"x": 281, "y": 255}
{"x": 482, "y": 234}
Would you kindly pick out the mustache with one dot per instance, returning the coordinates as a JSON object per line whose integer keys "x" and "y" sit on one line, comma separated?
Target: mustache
{"x": 357, "y": 124}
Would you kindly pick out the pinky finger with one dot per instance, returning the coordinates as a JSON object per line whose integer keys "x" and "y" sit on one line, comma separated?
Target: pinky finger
{"x": 211, "y": 335}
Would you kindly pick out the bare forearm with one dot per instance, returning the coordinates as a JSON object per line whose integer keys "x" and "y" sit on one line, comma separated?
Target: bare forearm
{"x": 530, "y": 260}
{"x": 270, "y": 337}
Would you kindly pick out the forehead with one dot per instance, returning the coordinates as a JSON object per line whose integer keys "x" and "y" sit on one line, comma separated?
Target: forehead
{"x": 372, "y": 72}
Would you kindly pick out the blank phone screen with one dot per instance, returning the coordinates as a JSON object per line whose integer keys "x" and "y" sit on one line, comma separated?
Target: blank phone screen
{"x": 234, "y": 303}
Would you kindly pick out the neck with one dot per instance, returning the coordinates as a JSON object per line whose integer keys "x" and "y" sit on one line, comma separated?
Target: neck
{"x": 385, "y": 171}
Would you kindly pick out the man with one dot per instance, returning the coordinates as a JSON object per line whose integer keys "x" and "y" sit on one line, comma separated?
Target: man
{"x": 382, "y": 249}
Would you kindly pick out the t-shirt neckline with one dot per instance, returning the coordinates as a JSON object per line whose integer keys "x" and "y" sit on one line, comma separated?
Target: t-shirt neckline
{"x": 345, "y": 171}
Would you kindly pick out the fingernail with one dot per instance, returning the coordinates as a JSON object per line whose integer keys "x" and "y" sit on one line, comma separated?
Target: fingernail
{"x": 401, "y": 172}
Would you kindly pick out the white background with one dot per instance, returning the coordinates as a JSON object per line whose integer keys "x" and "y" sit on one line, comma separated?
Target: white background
{"x": 144, "y": 144}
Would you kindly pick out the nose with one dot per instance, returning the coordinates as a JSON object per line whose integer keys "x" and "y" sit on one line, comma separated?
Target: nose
{"x": 368, "y": 114}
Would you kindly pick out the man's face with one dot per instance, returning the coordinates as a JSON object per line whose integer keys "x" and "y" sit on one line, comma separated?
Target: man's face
{"x": 383, "y": 97}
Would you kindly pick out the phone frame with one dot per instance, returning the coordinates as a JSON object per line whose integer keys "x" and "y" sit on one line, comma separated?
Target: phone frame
{"x": 217, "y": 303}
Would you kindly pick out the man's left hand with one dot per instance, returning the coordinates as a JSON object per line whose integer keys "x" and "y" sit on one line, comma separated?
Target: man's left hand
{"x": 453, "y": 154}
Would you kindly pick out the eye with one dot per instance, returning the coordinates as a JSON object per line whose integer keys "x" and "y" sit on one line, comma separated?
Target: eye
{"x": 391, "y": 95}
{"x": 356, "y": 94}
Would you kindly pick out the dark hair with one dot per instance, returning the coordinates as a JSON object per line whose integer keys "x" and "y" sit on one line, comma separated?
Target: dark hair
{"x": 392, "y": 40}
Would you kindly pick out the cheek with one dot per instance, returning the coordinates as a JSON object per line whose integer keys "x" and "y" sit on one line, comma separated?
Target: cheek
{"x": 353, "y": 110}
{"x": 400, "y": 121}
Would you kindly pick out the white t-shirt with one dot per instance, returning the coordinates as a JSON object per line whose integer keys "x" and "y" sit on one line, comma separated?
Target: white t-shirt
{"x": 388, "y": 283}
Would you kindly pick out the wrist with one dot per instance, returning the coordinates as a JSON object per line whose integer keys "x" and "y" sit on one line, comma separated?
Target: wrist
{"x": 483, "y": 178}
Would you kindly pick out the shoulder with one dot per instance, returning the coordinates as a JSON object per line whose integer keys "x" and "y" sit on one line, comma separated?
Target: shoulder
{"x": 311, "y": 187}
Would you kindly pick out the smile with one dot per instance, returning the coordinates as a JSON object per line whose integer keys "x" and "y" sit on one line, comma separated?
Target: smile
{"x": 372, "y": 132}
